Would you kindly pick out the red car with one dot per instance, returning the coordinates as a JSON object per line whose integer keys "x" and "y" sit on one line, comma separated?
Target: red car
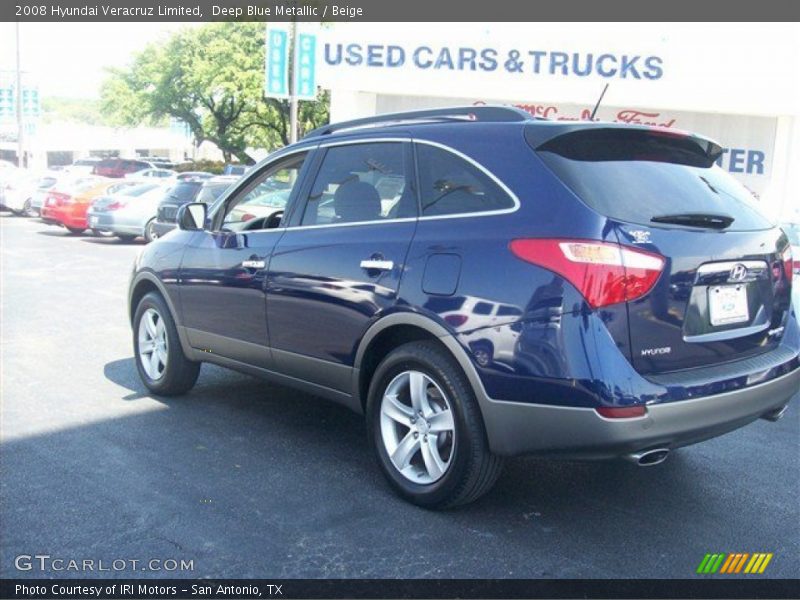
{"x": 68, "y": 206}
{"x": 119, "y": 167}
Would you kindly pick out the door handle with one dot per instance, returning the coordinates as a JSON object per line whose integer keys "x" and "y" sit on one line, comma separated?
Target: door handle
{"x": 374, "y": 264}
{"x": 254, "y": 264}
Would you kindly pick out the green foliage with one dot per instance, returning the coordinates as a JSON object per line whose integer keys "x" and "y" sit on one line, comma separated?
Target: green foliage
{"x": 210, "y": 166}
{"x": 211, "y": 78}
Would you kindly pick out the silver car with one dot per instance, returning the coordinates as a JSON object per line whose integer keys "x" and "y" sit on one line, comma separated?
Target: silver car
{"x": 128, "y": 215}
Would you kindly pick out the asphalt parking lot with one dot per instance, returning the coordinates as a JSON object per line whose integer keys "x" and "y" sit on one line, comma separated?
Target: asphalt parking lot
{"x": 249, "y": 479}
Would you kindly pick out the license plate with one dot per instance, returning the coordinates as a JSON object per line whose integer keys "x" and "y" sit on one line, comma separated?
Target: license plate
{"x": 728, "y": 304}
{"x": 93, "y": 220}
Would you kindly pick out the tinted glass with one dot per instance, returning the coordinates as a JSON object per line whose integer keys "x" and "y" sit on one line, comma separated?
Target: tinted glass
{"x": 185, "y": 192}
{"x": 449, "y": 185}
{"x": 138, "y": 190}
{"x": 635, "y": 175}
{"x": 211, "y": 192}
{"x": 361, "y": 182}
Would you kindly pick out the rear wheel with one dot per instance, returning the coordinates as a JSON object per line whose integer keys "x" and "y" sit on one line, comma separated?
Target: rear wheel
{"x": 27, "y": 209}
{"x": 149, "y": 231}
{"x": 426, "y": 429}
{"x": 160, "y": 360}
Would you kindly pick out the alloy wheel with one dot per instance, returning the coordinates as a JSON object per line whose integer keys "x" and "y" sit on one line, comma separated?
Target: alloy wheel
{"x": 153, "y": 344}
{"x": 417, "y": 427}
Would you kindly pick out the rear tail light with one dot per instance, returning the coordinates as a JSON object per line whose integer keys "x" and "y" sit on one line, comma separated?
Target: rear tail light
{"x": 603, "y": 272}
{"x": 621, "y": 412}
{"x": 56, "y": 199}
{"x": 456, "y": 320}
{"x": 788, "y": 263}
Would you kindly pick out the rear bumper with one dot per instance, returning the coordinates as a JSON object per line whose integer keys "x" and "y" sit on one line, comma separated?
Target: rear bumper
{"x": 515, "y": 428}
{"x": 111, "y": 223}
{"x": 57, "y": 216}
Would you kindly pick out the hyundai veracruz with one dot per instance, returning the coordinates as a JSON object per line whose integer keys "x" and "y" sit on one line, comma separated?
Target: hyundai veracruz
{"x": 480, "y": 284}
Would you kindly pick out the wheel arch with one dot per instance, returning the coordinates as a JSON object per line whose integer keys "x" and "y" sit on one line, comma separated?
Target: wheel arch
{"x": 399, "y": 328}
{"x": 146, "y": 282}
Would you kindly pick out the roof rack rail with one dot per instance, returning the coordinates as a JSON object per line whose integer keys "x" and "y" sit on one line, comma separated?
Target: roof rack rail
{"x": 485, "y": 113}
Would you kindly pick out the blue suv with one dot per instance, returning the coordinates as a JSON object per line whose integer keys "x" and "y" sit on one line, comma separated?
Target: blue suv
{"x": 482, "y": 284}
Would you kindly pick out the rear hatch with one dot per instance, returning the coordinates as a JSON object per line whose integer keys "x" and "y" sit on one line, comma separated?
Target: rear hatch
{"x": 724, "y": 293}
{"x": 180, "y": 194}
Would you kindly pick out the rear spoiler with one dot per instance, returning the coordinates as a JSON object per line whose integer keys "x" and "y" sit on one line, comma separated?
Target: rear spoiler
{"x": 609, "y": 141}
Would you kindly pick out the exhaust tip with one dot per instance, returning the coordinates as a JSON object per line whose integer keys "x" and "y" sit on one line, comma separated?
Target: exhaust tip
{"x": 648, "y": 458}
{"x": 775, "y": 415}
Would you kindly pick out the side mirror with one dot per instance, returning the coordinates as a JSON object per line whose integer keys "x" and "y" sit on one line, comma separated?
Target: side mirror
{"x": 192, "y": 216}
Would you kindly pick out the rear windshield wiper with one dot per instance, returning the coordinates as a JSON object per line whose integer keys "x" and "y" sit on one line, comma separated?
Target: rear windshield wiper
{"x": 711, "y": 221}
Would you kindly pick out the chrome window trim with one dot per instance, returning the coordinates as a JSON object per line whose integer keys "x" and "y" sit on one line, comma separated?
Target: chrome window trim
{"x": 446, "y": 148}
{"x": 721, "y": 267}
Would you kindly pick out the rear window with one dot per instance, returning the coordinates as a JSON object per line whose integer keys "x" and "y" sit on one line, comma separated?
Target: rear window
{"x": 636, "y": 175}
{"x": 211, "y": 192}
{"x": 185, "y": 192}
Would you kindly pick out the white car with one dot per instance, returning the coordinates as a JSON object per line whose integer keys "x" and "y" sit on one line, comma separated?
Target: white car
{"x": 153, "y": 174}
{"x": 60, "y": 180}
{"x": 82, "y": 166}
{"x": 17, "y": 192}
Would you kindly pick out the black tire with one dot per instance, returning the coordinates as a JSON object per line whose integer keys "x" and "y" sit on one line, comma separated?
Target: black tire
{"x": 27, "y": 209}
{"x": 125, "y": 237}
{"x": 76, "y": 230}
{"x": 149, "y": 234}
{"x": 472, "y": 469}
{"x": 180, "y": 373}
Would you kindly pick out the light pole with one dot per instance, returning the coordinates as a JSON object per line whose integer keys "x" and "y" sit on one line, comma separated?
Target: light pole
{"x": 292, "y": 83}
{"x": 20, "y": 126}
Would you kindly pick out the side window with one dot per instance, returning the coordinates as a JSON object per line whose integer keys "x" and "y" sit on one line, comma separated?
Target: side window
{"x": 261, "y": 204}
{"x": 361, "y": 182}
{"x": 449, "y": 185}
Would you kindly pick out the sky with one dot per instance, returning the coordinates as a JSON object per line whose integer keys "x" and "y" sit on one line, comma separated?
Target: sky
{"x": 71, "y": 61}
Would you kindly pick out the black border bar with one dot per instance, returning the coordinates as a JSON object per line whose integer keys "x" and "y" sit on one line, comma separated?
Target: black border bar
{"x": 399, "y": 10}
{"x": 147, "y": 589}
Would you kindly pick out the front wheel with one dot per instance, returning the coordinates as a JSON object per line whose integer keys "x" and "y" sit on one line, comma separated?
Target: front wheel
{"x": 426, "y": 429}
{"x": 160, "y": 360}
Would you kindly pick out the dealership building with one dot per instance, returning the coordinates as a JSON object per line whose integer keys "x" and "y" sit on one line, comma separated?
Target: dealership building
{"x": 735, "y": 83}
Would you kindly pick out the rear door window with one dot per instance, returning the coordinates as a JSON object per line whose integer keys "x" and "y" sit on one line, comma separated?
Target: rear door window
{"x": 641, "y": 176}
{"x": 450, "y": 185}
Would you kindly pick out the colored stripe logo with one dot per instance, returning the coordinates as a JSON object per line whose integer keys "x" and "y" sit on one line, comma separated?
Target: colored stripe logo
{"x": 734, "y": 562}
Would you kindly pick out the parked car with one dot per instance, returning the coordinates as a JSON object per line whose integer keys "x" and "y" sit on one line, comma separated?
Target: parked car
{"x": 792, "y": 231}
{"x": 193, "y": 175}
{"x": 83, "y": 166}
{"x": 149, "y": 174}
{"x": 67, "y": 207}
{"x": 128, "y": 214}
{"x": 119, "y": 167}
{"x": 645, "y": 298}
{"x": 16, "y": 193}
{"x": 58, "y": 180}
{"x": 231, "y": 169}
{"x": 205, "y": 190}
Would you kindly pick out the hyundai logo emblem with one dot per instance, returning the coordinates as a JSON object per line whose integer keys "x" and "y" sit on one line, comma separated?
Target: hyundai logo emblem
{"x": 738, "y": 272}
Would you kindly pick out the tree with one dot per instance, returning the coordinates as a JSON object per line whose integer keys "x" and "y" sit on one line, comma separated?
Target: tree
{"x": 212, "y": 79}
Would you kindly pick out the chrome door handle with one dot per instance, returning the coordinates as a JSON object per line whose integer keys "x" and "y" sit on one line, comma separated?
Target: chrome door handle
{"x": 254, "y": 264}
{"x": 377, "y": 265}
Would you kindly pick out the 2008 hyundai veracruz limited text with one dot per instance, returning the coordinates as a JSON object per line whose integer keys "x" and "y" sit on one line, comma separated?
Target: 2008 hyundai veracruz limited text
{"x": 482, "y": 284}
